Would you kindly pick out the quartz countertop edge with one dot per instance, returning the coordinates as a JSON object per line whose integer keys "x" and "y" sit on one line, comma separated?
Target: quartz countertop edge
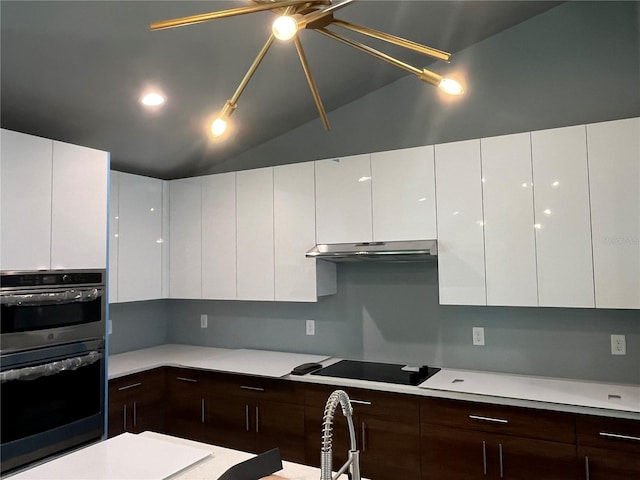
{"x": 496, "y": 388}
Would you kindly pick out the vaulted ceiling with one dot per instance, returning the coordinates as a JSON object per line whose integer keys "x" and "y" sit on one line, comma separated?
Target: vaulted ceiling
{"x": 74, "y": 71}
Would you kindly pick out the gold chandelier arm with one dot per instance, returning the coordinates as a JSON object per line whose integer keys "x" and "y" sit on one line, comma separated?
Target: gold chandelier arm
{"x": 312, "y": 84}
{"x": 423, "y": 74}
{"x": 401, "y": 42}
{"x": 205, "y": 17}
{"x": 319, "y": 14}
{"x": 252, "y": 69}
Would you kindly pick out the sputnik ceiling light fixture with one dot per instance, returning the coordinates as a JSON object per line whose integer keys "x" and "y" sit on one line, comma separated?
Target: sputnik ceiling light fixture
{"x": 295, "y": 15}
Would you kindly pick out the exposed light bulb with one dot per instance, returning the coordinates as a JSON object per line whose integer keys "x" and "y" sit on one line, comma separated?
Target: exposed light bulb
{"x": 450, "y": 86}
{"x": 152, "y": 99}
{"x": 284, "y": 28}
{"x": 218, "y": 127}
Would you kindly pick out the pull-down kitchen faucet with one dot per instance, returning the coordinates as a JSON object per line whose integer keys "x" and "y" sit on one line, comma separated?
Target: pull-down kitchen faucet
{"x": 326, "y": 455}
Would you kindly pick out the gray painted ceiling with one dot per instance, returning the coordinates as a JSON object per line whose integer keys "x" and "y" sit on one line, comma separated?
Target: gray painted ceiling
{"x": 73, "y": 71}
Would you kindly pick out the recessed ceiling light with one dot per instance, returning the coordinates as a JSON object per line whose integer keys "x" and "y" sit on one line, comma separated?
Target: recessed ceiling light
{"x": 152, "y": 99}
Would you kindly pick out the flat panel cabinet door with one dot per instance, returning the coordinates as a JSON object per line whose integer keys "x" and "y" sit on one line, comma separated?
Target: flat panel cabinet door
{"x": 25, "y": 201}
{"x": 79, "y": 207}
{"x": 255, "y": 234}
{"x": 460, "y": 225}
{"x": 295, "y": 233}
{"x": 403, "y": 194}
{"x": 185, "y": 238}
{"x": 114, "y": 217}
{"x": 140, "y": 238}
{"x": 219, "y": 236}
{"x": 507, "y": 192}
{"x": 343, "y": 200}
{"x": 614, "y": 186}
{"x": 562, "y": 217}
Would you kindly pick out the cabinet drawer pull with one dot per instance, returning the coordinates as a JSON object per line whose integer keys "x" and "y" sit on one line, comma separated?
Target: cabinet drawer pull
{"x": 124, "y": 419}
{"x": 135, "y": 416}
{"x": 254, "y": 389}
{"x": 484, "y": 457}
{"x": 360, "y": 402}
{"x": 488, "y": 419}
{"x": 246, "y": 417}
{"x": 586, "y": 468}
{"x": 619, "y": 437}
{"x": 127, "y": 387}
{"x": 185, "y": 379}
{"x": 364, "y": 437}
{"x": 202, "y": 411}
{"x": 257, "y": 418}
{"x": 501, "y": 464}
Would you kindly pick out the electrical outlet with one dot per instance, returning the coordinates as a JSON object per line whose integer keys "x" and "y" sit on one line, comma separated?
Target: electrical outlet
{"x": 478, "y": 335}
{"x": 109, "y": 327}
{"x": 618, "y": 345}
{"x": 203, "y": 320}
{"x": 311, "y": 327}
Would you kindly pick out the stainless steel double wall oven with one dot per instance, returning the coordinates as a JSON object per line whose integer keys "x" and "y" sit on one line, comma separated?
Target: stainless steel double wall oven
{"x": 52, "y": 362}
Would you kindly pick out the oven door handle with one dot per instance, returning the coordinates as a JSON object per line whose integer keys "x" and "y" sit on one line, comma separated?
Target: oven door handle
{"x": 52, "y": 368}
{"x": 52, "y": 298}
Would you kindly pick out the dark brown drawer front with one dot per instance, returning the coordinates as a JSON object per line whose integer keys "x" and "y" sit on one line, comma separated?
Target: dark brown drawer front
{"x": 370, "y": 402}
{"x": 149, "y": 384}
{"x": 256, "y": 388}
{"x": 187, "y": 378}
{"x": 610, "y": 433}
{"x": 523, "y": 422}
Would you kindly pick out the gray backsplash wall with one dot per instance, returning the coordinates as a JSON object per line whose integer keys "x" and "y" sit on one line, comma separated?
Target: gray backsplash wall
{"x": 577, "y": 63}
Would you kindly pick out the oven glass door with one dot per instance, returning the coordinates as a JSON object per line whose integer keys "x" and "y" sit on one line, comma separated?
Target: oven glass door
{"x": 52, "y": 399}
{"x": 40, "y": 310}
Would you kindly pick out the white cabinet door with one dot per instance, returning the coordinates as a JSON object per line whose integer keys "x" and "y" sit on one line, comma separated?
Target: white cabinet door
{"x": 343, "y": 200}
{"x": 614, "y": 185}
{"x": 297, "y": 278}
{"x": 25, "y": 202}
{"x": 562, "y": 220}
{"x": 255, "y": 257}
{"x": 166, "y": 260}
{"x": 219, "y": 236}
{"x": 79, "y": 207}
{"x": 403, "y": 194}
{"x": 507, "y": 192}
{"x": 140, "y": 238}
{"x": 114, "y": 218}
{"x": 185, "y": 242}
{"x": 460, "y": 226}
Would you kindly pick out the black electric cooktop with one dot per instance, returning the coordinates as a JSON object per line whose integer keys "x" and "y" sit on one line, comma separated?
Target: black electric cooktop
{"x": 377, "y": 372}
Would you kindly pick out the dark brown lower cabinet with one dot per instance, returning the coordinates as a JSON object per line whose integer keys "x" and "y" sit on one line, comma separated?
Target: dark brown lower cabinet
{"x": 186, "y": 403}
{"x": 466, "y": 455}
{"x": 136, "y": 403}
{"x": 608, "y": 448}
{"x": 387, "y": 428}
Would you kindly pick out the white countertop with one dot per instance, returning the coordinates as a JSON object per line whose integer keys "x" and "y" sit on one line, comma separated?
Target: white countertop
{"x": 151, "y": 456}
{"x": 574, "y": 396}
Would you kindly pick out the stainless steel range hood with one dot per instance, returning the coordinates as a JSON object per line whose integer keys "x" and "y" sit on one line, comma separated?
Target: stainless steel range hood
{"x": 406, "y": 251}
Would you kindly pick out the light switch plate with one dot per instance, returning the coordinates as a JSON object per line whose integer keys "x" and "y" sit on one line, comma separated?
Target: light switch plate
{"x": 311, "y": 327}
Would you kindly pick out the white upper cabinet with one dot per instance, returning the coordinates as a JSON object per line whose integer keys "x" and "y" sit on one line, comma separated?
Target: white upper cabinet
{"x": 460, "y": 226}
{"x": 140, "y": 241}
{"x": 255, "y": 255}
{"x": 166, "y": 233}
{"x": 54, "y": 204}
{"x": 297, "y": 278}
{"x": 25, "y": 202}
{"x": 79, "y": 207}
{"x": 562, "y": 221}
{"x": 185, "y": 240}
{"x": 343, "y": 200}
{"x": 614, "y": 186}
{"x": 114, "y": 217}
{"x": 403, "y": 194}
{"x": 219, "y": 236}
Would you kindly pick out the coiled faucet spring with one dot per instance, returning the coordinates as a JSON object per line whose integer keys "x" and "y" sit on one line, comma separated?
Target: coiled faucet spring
{"x": 326, "y": 452}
